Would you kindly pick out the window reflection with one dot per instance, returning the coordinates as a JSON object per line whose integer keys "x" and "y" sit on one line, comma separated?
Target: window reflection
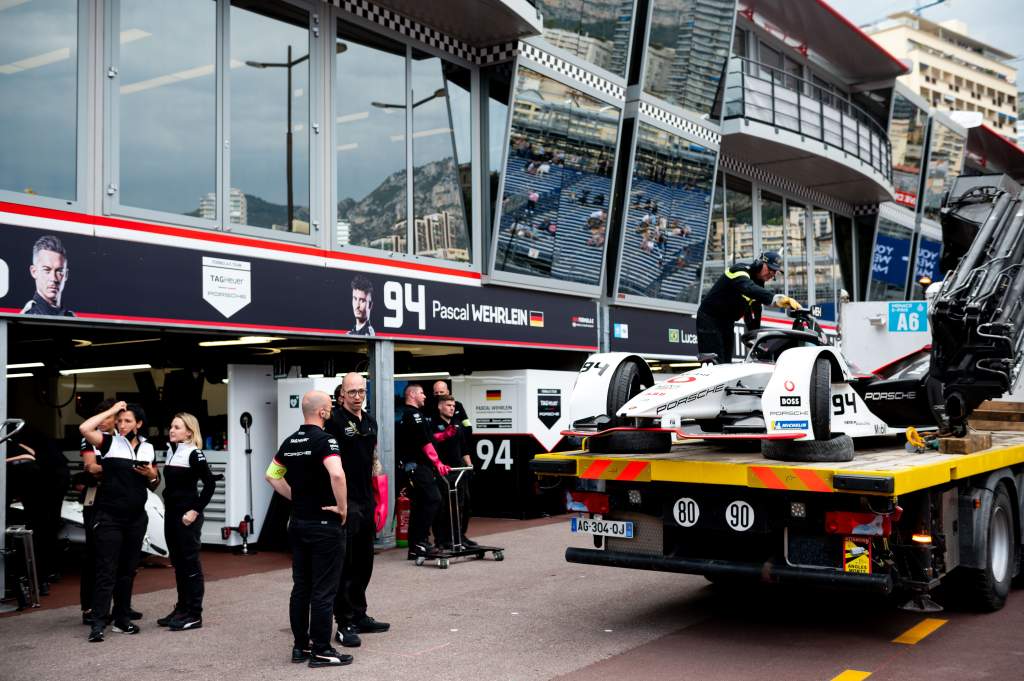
{"x": 557, "y": 182}
{"x": 732, "y": 228}
{"x": 944, "y": 165}
{"x": 773, "y": 227}
{"x": 906, "y": 134}
{"x": 714, "y": 259}
{"x": 926, "y": 265}
{"x": 38, "y": 98}
{"x": 440, "y": 140}
{"x": 889, "y": 261}
{"x": 498, "y": 83}
{"x": 689, "y": 44}
{"x": 270, "y": 113}
{"x": 168, "y": 106}
{"x": 370, "y": 140}
{"x": 597, "y": 31}
{"x": 795, "y": 253}
{"x": 667, "y": 217}
{"x": 827, "y": 279}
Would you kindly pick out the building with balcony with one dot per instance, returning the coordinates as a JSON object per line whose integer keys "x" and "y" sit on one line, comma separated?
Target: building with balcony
{"x": 951, "y": 70}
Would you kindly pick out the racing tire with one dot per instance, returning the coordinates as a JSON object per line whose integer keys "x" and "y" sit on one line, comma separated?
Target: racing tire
{"x": 627, "y": 382}
{"x": 821, "y": 401}
{"x": 985, "y": 589}
{"x": 839, "y": 448}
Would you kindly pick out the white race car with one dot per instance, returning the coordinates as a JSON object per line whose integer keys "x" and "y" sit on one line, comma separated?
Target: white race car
{"x": 792, "y": 391}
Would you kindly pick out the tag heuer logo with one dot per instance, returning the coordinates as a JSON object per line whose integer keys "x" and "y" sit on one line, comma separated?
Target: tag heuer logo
{"x": 294, "y": 401}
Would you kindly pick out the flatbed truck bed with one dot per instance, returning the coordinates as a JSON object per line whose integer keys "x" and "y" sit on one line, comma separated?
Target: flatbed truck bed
{"x": 887, "y": 521}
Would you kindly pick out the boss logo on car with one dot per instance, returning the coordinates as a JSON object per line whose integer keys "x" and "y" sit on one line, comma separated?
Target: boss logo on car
{"x": 909, "y": 395}
{"x": 690, "y": 398}
{"x": 789, "y": 401}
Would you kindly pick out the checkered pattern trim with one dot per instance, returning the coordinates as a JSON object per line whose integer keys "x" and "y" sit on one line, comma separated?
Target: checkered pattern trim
{"x": 865, "y": 209}
{"x": 784, "y": 185}
{"x": 572, "y": 71}
{"x": 426, "y": 35}
{"x": 691, "y": 128}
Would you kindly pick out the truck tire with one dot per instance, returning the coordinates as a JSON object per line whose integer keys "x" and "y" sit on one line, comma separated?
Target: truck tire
{"x": 627, "y": 382}
{"x": 821, "y": 400}
{"x": 986, "y": 589}
{"x": 839, "y": 448}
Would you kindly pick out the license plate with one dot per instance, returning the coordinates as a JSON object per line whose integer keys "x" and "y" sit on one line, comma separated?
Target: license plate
{"x": 621, "y": 529}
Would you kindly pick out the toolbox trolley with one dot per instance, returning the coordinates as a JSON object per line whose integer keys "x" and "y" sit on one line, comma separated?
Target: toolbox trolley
{"x": 442, "y": 557}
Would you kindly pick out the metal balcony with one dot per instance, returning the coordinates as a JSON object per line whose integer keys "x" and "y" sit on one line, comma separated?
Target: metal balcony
{"x": 833, "y": 145}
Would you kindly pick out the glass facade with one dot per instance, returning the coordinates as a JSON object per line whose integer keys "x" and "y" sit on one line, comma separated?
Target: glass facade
{"x": 497, "y": 82}
{"x": 39, "y": 98}
{"x": 827, "y": 275}
{"x": 889, "y": 263}
{"x": 596, "y": 31}
{"x": 906, "y": 135}
{"x": 557, "y": 182}
{"x": 270, "y": 134}
{"x": 926, "y": 264}
{"x": 687, "y": 50}
{"x": 369, "y": 139}
{"x": 662, "y": 253}
{"x": 167, "y": 106}
{"x": 795, "y": 254}
{"x": 945, "y": 162}
{"x": 440, "y": 152}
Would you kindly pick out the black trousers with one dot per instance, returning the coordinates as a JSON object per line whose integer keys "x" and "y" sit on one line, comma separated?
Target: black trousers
{"x": 87, "y": 583}
{"x": 118, "y": 547}
{"x": 425, "y": 502}
{"x": 318, "y": 551}
{"x": 183, "y": 545}
{"x": 350, "y": 603}
{"x": 714, "y": 335}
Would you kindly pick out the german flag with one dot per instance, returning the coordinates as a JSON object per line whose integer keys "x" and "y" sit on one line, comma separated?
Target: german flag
{"x": 493, "y": 395}
{"x": 536, "y": 318}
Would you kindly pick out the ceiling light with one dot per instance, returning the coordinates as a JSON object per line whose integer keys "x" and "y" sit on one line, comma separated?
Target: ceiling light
{"x": 244, "y": 340}
{"x": 22, "y": 375}
{"x": 314, "y": 375}
{"x": 426, "y": 374}
{"x": 25, "y": 365}
{"x": 97, "y": 370}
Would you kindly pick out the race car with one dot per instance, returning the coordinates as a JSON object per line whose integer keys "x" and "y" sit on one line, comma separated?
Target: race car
{"x": 793, "y": 391}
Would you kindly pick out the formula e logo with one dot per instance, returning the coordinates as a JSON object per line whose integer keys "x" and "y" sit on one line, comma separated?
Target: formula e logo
{"x": 789, "y": 386}
{"x": 789, "y": 401}
{"x": 789, "y": 425}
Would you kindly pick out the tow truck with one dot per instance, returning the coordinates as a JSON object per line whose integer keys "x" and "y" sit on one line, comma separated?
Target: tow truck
{"x": 891, "y": 520}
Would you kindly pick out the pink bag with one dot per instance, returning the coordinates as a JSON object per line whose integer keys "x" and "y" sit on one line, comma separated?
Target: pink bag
{"x": 380, "y": 495}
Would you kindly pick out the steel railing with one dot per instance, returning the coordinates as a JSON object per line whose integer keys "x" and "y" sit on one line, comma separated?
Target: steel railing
{"x": 767, "y": 94}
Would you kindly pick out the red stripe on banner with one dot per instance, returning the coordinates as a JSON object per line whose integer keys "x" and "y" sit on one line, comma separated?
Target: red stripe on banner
{"x": 633, "y": 470}
{"x": 811, "y": 479}
{"x": 768, "y": 477}
{"x": 595, "y": 469}
{"x": 223, "y": 238}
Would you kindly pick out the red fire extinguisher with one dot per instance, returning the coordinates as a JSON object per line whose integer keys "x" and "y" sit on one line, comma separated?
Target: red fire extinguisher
{"x": 402, "y": 508}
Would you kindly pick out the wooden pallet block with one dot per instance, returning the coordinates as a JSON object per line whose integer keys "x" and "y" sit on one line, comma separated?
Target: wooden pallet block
{"x": 993, "y": 415}
{"x": 974, "y": 441}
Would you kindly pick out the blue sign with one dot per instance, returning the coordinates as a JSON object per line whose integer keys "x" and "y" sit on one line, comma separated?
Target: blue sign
{"x": 908, "y": 317}
{"x": 791, "y": 425}
{"x": 928, "y": 252}
{"x": 890, "y": 260}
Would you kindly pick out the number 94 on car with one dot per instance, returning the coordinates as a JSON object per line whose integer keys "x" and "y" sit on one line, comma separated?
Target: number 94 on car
{"x": 622, "y": 529}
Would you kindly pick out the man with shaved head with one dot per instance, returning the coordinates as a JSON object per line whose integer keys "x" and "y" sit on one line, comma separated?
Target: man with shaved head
{"x": 414, "y": 444}
{"x": 307, "y": 471}
{"x": 357, "y": 432}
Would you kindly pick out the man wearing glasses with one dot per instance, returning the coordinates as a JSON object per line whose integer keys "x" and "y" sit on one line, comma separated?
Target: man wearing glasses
{"x": 357, "y": 432}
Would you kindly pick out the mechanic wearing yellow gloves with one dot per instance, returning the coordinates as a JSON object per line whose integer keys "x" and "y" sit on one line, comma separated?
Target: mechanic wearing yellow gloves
{"x": 738, "y": 293}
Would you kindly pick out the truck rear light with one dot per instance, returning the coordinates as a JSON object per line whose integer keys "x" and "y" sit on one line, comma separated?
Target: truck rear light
{"x": 857, "y": 524}
{"x": 921, "y": 538}
{"x": 797, "y": 509}
{"x": 586, "y": 502}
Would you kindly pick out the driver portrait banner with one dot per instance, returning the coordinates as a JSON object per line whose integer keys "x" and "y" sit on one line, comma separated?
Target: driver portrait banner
{"x": 105, "y": 279}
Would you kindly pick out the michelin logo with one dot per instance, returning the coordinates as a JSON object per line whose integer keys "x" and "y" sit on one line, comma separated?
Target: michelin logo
{"x": 789, "y": 425}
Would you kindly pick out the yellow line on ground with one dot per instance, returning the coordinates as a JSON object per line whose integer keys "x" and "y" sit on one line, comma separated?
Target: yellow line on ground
{"x": 917, "y": 632}
{"x": 852, "y": 675}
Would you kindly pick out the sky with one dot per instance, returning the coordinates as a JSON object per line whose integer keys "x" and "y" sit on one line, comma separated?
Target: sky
{"x": 999, "y": 23}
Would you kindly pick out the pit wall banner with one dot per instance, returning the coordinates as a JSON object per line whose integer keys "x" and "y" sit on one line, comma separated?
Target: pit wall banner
{"x": 100, "y": 279}
{"x": 652, "y": 332}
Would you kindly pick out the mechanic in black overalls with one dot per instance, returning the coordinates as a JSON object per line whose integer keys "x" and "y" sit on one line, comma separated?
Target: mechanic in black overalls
{"x": 356, "y": 432}
{"x": 414, "y": 443}
{"x": 92, "y": 471}
{"x": 738, "y": 294}
{"x": 307, "y": 471}
{"x": 462, "y": 420}
{"x": 450, "y": 442}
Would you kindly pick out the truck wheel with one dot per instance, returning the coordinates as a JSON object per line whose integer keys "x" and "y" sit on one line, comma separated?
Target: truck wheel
{"x": 986, "y": 589}
{"x": 628, "y": 381}
{"x": 839, "y": 448}
{"x": 821, "y": 399}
